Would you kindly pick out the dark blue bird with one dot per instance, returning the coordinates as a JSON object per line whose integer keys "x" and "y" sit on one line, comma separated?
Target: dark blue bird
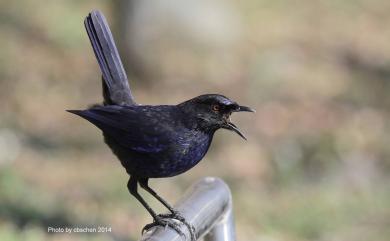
{"x": 151, "y": 141}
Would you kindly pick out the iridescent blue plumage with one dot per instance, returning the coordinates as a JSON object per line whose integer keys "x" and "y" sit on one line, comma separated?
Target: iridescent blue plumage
{"x": 151, "y": 141}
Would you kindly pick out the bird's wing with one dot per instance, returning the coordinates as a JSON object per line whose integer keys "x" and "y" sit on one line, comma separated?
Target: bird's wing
{"x": 116, "y": 88}
{"x": 131, "y": 127}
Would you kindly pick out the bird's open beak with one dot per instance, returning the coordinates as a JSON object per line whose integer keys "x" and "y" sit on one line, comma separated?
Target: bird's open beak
{"x": 245, "y": 108}
{"x": 233, "y": 127}
{"x": 230, "y": 126}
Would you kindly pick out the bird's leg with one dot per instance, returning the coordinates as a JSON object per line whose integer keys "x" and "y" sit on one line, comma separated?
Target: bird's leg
{"x": 132, "y": 186}
{"x": 144, "y": 184}
{"x": 174, "y": 213}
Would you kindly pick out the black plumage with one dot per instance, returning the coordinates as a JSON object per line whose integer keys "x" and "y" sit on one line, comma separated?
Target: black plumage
{"x": 151, "y": 141}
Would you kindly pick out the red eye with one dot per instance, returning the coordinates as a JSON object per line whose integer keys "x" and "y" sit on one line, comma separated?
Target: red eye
{"x": 215, "y": 108}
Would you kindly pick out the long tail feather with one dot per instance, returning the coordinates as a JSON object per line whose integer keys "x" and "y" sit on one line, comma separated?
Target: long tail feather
{"x": 116, "y": 88}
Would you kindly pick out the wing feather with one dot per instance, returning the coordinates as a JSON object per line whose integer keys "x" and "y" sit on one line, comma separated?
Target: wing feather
{"x": 133, "y": 127}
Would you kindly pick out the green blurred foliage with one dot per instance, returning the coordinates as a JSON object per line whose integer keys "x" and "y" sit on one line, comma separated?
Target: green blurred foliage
{"x": 315, "y": 166}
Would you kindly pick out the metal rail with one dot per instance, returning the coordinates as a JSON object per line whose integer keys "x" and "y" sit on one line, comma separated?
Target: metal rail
{"x": 207, "y": 205}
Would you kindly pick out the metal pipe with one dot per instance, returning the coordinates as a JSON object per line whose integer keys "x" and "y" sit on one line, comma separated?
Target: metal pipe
{"x": 207, "y": 205}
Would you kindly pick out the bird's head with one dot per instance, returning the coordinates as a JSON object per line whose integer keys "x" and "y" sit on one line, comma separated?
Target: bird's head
{"x": 213, "y": 111}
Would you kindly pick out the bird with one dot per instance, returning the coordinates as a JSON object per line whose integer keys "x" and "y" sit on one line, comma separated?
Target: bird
{"x": 152, "y": 141}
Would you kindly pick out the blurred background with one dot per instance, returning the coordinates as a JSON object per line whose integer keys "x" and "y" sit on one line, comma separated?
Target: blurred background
{"x": 316, "y": 163}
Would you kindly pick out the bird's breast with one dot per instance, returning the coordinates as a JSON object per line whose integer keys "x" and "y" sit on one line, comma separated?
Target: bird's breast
{"x": 186, "y": 152}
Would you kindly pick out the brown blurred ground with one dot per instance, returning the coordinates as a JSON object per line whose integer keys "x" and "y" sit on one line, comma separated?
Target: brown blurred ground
{"x": 316, "y": 163}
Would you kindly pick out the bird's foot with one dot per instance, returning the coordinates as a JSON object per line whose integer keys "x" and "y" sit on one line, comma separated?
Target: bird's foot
{"x": 160, "y": 221}
{"x": 176, "y": 215}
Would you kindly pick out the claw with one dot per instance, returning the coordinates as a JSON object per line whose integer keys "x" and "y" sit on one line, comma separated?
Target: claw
{"x": 176, "y": 215}
{"x": 163, "y": 223}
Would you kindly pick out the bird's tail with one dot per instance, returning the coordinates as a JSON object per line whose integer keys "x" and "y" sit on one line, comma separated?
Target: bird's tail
{"x": 116, "y": 88}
